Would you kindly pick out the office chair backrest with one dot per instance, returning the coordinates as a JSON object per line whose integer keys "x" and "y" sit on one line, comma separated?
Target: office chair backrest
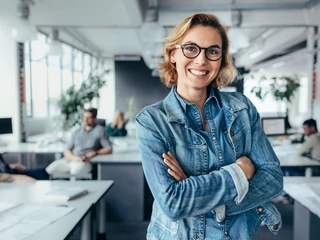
{"x": 101, "y": 122}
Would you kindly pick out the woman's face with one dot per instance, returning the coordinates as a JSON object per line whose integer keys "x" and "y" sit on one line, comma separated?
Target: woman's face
{"x": 197, "y": 73}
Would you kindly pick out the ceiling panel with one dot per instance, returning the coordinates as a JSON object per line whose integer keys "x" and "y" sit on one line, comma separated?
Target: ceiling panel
{"x": 114, "y": 41}
{"x": 110, "y": 27}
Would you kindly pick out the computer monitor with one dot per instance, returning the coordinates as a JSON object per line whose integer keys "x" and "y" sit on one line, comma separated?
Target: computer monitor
{"x": 274, "y": 126}
{"x": 5, "y": 126}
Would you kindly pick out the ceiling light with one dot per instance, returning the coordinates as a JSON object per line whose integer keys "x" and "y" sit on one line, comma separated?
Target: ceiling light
{"x": 278, "y": 64}
{"x": 55, "y": 47}
{"x": 23, "y": 30}
{"x": 255, "y": 54}
{"x": 267, "y": 33}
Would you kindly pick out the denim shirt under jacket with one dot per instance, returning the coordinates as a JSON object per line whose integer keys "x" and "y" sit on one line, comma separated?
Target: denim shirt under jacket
{"x": 215, "y": 201}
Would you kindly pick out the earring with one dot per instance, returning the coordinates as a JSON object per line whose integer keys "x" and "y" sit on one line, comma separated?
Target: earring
{"x": 172, "y": 60}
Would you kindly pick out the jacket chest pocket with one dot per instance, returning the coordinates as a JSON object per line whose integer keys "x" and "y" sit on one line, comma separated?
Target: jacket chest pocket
{"x": 189, "y": 156}
{"x": 240, "y": 137}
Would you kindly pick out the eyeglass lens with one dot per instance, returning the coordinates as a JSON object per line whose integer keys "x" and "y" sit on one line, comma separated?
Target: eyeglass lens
{"x": 192, "y": 51}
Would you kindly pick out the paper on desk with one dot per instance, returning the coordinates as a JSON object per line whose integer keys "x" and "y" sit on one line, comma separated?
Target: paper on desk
{"x": 22, "y": 221}
{"x": 20, "y": 231}
{"x": 6, "y": 206}
{"x": 306, "y": 194}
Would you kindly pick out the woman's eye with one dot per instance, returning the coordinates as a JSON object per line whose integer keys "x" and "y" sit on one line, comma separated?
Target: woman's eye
{"x": 213, "y": 51}
{"x": 191, "y": 48}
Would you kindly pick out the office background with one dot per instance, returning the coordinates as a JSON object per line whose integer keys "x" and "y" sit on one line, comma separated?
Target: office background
{"x": 269, "y": 38}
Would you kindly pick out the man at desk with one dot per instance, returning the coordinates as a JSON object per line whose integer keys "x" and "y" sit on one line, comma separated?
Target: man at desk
{"x": 88, "y": 141}
{"x": 311, "y": 146}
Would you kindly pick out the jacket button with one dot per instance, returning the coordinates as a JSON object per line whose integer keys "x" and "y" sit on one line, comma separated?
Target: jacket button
{"x": 275, "y": 227}
{"x": 196, "y": 236}
{"x": 232, "y": 133}
{"x": 199, "y": 142}
{"x": 213, "y": 138}
{"x": 225, "y": 233}
{"x": 220, "y": 157}
{"x": 260, "y": 209}
{"x": 229, "y": 117}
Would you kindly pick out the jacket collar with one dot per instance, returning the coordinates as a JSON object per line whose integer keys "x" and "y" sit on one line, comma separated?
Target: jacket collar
{"x": 175, "y": 108}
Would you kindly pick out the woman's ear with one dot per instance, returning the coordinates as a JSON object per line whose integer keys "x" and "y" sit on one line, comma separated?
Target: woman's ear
{"x": 172, "y": 57}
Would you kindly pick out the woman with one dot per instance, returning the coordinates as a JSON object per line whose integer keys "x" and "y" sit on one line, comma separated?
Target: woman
{"x": 209, "y": 165}
{"x": 118, "y": 127}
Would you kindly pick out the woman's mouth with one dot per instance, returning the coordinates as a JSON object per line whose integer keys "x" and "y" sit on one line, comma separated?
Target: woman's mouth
{"x": 198, "y": 72}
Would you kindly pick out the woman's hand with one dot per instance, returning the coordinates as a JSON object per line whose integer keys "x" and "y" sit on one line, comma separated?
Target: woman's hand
{"x": 246, "y": 166}
{"x": 174, "y": 167}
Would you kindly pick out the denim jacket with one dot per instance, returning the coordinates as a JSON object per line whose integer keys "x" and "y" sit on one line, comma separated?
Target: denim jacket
{"x": 181, "y": 209}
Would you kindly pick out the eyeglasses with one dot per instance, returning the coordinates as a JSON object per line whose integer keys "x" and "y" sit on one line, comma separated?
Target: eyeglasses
{"x": 192, "y": 50}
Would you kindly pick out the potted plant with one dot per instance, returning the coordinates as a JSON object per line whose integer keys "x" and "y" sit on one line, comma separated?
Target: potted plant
{"x": 281, "y": 88}
{"x": 73, "y": 101}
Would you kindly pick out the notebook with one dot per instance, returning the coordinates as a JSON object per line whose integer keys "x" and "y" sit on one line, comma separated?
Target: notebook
{"x": 65, "y": 194}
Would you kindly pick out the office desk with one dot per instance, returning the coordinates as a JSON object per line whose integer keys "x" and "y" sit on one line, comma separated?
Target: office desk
{"x": 59, "y": 230}
{"x": 125, "y": 201}
{"x": 289, "y": 157}
{"x": 33, "y": 148}
{"x": 306, "y": 207}
{"x": 30, "y": 149}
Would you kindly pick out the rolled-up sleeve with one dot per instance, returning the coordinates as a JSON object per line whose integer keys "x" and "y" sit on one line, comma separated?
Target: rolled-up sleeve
{"x": 240, "y": 181}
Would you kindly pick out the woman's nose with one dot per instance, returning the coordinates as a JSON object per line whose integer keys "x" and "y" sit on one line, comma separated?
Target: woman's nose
{"x": 201, "y": 58}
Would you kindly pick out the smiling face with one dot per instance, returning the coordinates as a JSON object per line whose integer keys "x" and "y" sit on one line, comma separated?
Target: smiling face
{"x": 194, "y": 75}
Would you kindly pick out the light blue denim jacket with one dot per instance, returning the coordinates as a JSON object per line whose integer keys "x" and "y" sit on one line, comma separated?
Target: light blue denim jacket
{"x": 189, "y": 209}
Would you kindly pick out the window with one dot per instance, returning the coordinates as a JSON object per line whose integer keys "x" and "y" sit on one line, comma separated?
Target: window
{"x": 48, "y": 77}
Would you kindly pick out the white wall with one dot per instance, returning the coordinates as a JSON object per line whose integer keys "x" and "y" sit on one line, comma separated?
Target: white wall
{"x": 9, "y": 83}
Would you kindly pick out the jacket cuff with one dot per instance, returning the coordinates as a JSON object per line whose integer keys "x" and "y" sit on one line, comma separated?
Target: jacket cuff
{"x": 239, "y": 179}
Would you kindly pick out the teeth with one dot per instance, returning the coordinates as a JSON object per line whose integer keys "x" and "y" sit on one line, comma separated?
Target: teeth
{"x": 196, "y": 72}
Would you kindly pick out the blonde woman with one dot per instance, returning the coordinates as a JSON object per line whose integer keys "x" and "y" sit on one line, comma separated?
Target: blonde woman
{"x": 209, "y": 165}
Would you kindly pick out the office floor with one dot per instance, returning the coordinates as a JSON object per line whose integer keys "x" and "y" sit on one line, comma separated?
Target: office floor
{"x": 137, "y": 230}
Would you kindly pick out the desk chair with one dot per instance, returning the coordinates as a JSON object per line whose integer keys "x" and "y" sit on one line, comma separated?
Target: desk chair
{"x": 101, "y": 122}
{"x": 81, "y": 176}
{"x": 71, "y": 177}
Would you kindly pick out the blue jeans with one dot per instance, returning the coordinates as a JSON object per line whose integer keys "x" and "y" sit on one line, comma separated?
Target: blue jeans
{"x": 36, "y": 173}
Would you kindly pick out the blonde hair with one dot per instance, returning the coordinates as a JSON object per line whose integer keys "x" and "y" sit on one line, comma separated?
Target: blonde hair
{"x": 167, "y": 69}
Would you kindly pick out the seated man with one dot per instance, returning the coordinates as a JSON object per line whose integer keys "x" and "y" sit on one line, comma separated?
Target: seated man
{"x": 118, "y": 127}
{"x": 311, "y": 146}
{"x": 88, "y": 141}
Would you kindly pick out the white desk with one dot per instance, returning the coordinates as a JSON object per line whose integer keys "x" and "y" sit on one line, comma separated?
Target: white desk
{"x": 306, "y": 207}
{"x": 288, "y": 156}
{"x": 33, "y": 148}
{"x": 59, "y": 230}
{"x": 30, "y": 149}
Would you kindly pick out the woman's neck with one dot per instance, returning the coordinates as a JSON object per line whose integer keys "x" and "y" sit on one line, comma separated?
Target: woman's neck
{"x": 198, "y": 97}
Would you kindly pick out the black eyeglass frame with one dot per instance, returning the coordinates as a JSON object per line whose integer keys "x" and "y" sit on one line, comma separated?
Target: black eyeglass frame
{"x": 182, "y": 46}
